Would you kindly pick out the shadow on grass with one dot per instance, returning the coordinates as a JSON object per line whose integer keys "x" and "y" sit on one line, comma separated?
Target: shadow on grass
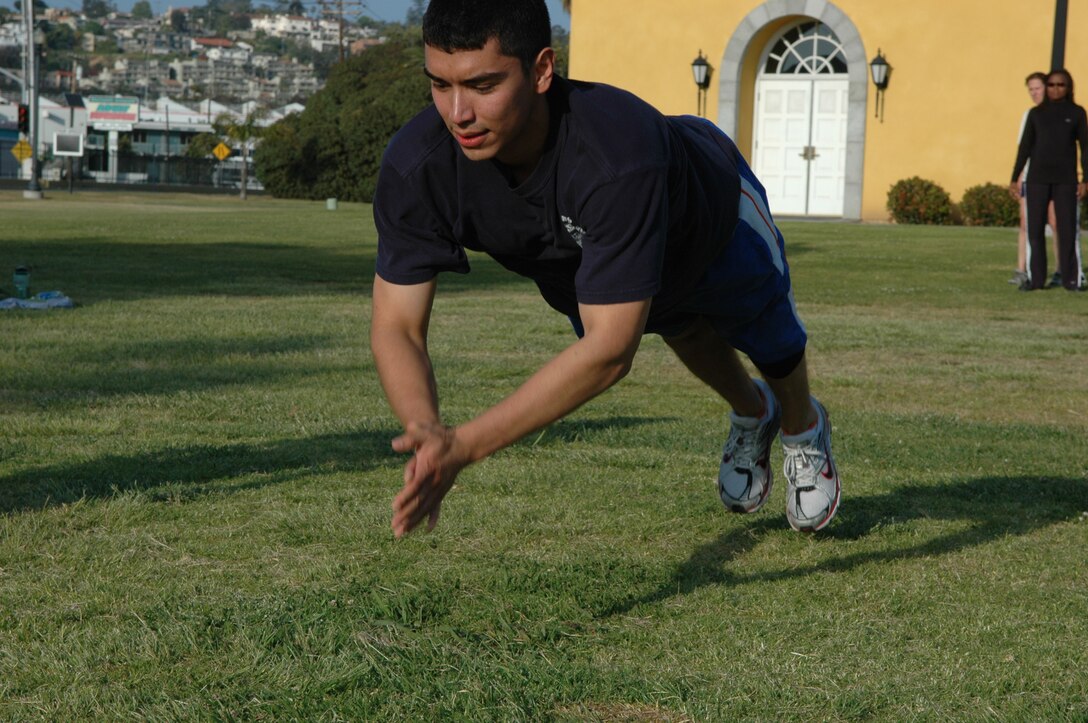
{"x": 993, "y": 507}
{"x": 95, "y": 269}
{"x": 191, "y": 472}
{"x": 167, "y": 366}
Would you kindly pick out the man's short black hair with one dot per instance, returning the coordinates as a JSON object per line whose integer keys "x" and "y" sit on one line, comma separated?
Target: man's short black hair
{"x": 522, "y": 27}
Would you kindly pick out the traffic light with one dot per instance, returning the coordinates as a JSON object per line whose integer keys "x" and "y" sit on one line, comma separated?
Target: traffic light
{"x": 24, "y": 118}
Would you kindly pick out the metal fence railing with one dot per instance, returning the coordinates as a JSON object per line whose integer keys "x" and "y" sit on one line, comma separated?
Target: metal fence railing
{"x": 133, "y": 169}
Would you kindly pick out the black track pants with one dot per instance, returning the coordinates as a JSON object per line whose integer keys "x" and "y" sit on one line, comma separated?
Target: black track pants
{"x": 1064, "y": 195}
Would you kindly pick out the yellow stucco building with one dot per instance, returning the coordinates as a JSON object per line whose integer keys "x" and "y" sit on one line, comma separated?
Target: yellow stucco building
{"x": 790, "y": 82}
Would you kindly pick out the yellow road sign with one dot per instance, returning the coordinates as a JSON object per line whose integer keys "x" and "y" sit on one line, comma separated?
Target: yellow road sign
{"x": 221, "y": 151}
{"x": 22, "y": 151}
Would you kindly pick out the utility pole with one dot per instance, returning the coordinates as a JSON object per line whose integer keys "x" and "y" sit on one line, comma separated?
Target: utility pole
{"x": 1061, "y": 18}
{"x": 337, "y": 10}
{"x": 30, "y": 91}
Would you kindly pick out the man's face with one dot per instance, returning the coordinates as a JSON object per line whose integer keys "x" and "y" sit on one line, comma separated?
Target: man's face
{"x": 1057, "y": 86}
{"x": 489, "y": 104}
{"x": 1036, "y": 89}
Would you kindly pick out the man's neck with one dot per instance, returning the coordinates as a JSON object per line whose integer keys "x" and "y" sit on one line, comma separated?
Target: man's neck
{"x": 531, "y": 150}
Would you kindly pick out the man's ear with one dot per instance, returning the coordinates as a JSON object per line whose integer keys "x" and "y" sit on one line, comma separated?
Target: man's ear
{"x": 543, "y": 70}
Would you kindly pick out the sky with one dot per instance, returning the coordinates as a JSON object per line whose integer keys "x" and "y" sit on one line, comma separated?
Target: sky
{"x": 388, "y": 10}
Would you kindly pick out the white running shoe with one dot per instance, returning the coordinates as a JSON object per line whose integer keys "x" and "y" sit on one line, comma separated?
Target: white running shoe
{"x": 813, "y": 488}
{"x": 744, "y": 478}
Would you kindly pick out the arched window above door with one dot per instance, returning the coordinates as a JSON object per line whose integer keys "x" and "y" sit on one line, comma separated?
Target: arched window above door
{"x": 810, "y": 48}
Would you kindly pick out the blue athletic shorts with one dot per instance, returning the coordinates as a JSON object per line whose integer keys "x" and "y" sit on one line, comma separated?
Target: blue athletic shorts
{"x": 745, "y": 293}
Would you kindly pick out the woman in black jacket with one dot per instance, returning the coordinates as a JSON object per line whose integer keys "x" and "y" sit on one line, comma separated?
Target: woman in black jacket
{"x": 1053, "y": 130}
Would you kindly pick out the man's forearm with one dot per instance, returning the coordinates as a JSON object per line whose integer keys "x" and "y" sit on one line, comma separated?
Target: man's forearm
{"x": 404, "y": 369}
{"x": 561, "y": 386}
{"x": 398, "y": 339}
{"x": 580, "y": 372}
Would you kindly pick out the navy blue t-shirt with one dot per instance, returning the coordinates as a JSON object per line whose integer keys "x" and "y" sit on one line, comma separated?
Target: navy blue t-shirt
{"x": 626, "y": 204}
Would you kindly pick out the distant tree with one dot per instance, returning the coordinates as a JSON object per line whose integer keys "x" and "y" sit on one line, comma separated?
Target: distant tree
{"x": 235, "y": 21}
{"x": 561, "y": 45}
{"x": 265, "y": 43}
{"x": 240, "y": 7}
{"x": 58, "y": 37}
{"x": 202, "y": 145}
{"x": 178, "y": 22}
{"x": 5, "y": 13}
{"x": 414, "y": 16}
{"x": 334, "y": 147}
{"x": 284, "y": 160}
{"x": 401, "y": 34}
{"x": 60, "y": 42}
{"x": 92, "y": 27}
{"x": 39, "y": 6}
{"x": 10, "y": 57}
{"x": 295, "y": 7}
{"x": 222, "y": 16}
{"x": 141, "y": 10}
{"x": 97, "y": 8}
{"x": 323, "y": 63}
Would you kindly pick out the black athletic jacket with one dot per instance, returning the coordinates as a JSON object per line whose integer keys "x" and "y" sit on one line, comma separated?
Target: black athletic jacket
{"x": 1050, "y": 139}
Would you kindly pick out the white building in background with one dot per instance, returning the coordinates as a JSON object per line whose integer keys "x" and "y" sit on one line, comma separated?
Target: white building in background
{"x": 12, "y": 34}
{"x": 160, "y": 129}
{"x": 321, "y": 34}
{"x": 237, "y": 54}
{"x": 283, "y": 26}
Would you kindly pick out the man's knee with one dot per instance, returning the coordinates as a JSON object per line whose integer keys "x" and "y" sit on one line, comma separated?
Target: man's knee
{"x": 782, "y": 368}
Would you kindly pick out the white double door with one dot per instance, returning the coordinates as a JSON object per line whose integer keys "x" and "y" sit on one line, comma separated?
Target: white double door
{"x": 800, "y": 144}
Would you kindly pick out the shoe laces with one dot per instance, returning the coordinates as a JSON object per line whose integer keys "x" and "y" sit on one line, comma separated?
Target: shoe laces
{"x": 743, "y": 445}
{"x": 803, "y": 464}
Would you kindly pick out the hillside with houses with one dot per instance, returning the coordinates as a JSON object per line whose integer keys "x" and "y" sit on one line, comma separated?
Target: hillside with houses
{"x": 147, "y": 96}
{"x": 217, "y": 51}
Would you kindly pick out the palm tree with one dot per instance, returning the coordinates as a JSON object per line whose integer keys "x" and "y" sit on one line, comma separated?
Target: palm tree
{"x": 242, "y": 133}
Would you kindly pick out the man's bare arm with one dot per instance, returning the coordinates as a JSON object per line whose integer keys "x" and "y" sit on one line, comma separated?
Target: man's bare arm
{"x": 580, "y": 372}
{"x": 400, "y": 316}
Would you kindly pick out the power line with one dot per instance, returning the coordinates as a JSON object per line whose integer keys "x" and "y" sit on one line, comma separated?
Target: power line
{"x": 337, "y": 10}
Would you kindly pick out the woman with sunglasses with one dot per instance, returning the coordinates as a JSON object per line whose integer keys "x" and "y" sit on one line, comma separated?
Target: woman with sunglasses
{"x": 1051, "y": 134}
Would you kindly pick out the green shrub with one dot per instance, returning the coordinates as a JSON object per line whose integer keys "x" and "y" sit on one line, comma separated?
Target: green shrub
{"x": 918, "y": 201}
{"x": 989, "y": 205}
{"x": 333, "y": 148}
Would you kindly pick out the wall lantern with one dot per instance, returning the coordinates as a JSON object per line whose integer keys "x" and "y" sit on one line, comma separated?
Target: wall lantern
{"x": 700, "y": 69}
{"x": 880, "y": 70}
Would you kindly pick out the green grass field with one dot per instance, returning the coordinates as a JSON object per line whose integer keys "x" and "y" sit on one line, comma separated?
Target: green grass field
{"x": 195, "y": 486}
